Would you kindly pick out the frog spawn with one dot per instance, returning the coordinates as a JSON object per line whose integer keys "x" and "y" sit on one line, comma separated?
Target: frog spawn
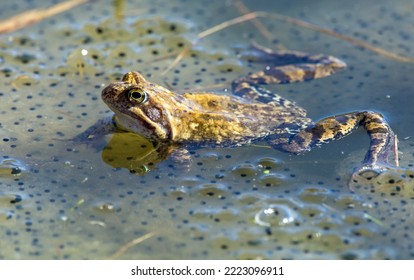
{"x": 392, "y": 181}
{"x": 61, "y": 210}
{"x": 282, "y": 218}
{"x": 11, "y": 168}
{"x": 64, "y": 205}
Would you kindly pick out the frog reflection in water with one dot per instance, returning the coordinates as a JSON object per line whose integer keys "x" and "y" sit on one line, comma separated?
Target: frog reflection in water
{"x": 251, "y": 113}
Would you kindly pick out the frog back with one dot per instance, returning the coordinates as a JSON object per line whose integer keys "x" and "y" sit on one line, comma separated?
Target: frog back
{"x": 234, "y": 119}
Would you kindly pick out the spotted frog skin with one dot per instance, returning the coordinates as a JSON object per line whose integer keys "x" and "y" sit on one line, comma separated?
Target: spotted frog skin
{"x": 251, "y": 113}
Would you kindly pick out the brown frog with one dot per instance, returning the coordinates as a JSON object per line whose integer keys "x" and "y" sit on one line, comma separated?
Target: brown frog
{"x": 251, "y": 113}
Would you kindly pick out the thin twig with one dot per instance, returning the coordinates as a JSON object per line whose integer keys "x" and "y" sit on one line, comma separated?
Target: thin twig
{"x": 375, "y": 220}
{"x": 349, "y": 39}
{"x": 33, "y": 16}
{"x": 163, "y": 57}
{"x": 260, "y": 27}
{"x": 131, "y": 244}
{"x": 228, "y": 23}
{"x": 396, "y": 160}
{"x": 208, "y": 32}
{"x": 119, "y": 8}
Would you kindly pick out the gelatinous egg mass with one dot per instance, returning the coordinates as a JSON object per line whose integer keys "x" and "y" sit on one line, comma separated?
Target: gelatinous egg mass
{"x": 61, "y": 199}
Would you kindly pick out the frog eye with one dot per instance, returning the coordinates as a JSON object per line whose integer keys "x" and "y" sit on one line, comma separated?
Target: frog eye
{"x": 137, "y": 95}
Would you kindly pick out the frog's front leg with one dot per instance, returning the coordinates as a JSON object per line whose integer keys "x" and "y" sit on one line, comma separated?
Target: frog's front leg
{"x": 381, "y": 135}
{"x": 96, "y": 131}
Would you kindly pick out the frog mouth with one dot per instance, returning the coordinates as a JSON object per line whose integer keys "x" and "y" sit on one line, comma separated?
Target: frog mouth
{"x": 139, "y": 123}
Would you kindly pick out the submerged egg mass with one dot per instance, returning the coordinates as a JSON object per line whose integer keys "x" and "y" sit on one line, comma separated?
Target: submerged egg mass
{"x": 61, "y": 200}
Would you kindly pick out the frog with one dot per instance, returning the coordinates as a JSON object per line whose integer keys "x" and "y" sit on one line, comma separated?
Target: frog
{"x": 251, "y": 113}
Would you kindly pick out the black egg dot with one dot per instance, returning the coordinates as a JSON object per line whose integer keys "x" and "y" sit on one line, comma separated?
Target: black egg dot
{"x": 17, "y": 199}
{"x": 16, "y": 171}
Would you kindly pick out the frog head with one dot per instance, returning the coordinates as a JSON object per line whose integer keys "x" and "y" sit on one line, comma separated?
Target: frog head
{"x": 141, "y": 106}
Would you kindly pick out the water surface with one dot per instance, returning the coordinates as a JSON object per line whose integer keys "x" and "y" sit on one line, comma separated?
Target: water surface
{"x": 67, "y": 201}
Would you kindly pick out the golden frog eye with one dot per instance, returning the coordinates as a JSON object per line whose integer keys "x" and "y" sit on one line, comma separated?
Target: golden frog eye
{"x": 137, "y": 95}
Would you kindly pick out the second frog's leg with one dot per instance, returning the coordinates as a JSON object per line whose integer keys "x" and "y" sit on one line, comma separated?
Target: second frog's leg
{"x": 381, "y": 135}
{"x": 283, "y": 67}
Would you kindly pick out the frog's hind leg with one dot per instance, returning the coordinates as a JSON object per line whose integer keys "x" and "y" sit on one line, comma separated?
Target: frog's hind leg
{"x": 381, "y": 135}
{"x": 283, "y": 67}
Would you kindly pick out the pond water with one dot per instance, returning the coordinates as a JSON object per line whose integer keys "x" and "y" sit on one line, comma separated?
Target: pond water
{"x": 65, "y": 200}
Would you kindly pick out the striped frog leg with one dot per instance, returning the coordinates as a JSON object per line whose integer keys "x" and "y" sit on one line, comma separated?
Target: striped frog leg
{"x": 291, "y": 66}
{"x": 382, "y": 137}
